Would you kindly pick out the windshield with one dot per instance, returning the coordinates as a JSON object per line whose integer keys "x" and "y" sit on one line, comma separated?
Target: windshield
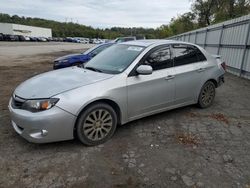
{"x": 115, "y": 59}
{"x": 91, "y": 49}
{"x": 97, "y": 49}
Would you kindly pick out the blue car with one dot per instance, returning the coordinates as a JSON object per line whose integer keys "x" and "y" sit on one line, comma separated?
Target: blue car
{"x": 79, "y": 59}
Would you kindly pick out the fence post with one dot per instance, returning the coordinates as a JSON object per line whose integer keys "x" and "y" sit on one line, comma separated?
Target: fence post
{"x": 245, "y": 49}
{"x": 220, "y": 39}
{"x": 195, "y": 38}
{"x": 205, "y": 40}
{"x": 189, "y": 37}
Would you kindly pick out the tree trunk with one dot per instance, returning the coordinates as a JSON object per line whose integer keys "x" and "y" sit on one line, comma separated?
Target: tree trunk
{"x": 231, "y": 8}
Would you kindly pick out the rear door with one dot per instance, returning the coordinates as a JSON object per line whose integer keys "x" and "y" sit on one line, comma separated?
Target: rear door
{"x": 189, "y": 64}
{"x": 151, "y": 93}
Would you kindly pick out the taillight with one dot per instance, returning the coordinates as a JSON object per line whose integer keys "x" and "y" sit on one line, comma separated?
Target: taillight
{"x": 223, "y": 65}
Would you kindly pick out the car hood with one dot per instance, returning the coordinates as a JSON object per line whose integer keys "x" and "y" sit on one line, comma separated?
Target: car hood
{"x": 70, "y": 56}
{"x": 52, "y": 83}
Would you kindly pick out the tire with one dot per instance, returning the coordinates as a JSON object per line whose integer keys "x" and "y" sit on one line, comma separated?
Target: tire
{"x": 207, "y": 95}
{"x": 96, "y": 124}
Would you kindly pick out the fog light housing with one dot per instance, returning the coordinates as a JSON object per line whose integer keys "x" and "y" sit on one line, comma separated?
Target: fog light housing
{"x": 44, "y": 132}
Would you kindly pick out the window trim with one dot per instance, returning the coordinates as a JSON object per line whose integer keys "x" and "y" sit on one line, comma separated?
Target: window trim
{"x": 133, "y": 71}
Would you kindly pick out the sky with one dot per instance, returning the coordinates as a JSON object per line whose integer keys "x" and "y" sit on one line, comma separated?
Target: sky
{"x": 100, "y": 13}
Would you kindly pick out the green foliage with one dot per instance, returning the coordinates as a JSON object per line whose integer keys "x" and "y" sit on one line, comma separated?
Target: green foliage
{"x": 214, "y": 11}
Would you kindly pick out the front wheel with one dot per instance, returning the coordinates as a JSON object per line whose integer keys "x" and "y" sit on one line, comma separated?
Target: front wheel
{"x": 96, "y": 124}
{"x": 207, "y": 94}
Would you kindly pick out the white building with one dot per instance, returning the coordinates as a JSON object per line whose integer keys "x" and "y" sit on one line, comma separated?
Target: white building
{"x": 16, "y": 29}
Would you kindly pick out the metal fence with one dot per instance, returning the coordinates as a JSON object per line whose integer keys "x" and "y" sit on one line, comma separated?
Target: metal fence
{"x": 229, "y": 39}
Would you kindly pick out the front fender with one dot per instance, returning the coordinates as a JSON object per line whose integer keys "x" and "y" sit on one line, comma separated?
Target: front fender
{"x": 74, "y": 101}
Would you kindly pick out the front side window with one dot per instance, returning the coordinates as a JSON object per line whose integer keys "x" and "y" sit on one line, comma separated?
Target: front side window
{"x": 115, "y": 59}
{"x": 160, "y": 59}
{"x": 186, "y": 54}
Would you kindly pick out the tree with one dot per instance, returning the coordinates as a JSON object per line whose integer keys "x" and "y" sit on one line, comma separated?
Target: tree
{"x": 203, "y": 9}
{"x": 213, "y": 11}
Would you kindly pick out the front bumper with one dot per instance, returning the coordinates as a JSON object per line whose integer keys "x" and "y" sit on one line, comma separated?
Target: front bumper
{"x": 60, "y": 66}
{"x": 51, "y": 125}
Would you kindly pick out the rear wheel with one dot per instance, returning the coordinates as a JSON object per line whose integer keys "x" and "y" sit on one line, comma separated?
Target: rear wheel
{"x": 207, "y": 94}
{"x": 96, "y": 124}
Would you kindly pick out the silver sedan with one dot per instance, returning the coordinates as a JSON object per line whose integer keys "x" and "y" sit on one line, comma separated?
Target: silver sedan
{"x": 123, "y": 83}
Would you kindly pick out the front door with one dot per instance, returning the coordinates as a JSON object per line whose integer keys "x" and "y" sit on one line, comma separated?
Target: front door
{"x": 148, "y": 94}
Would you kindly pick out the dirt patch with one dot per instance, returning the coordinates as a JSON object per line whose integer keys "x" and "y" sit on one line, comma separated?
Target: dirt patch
{"x": 187, "y": 139}
{"x": 191, "y": 114}
{"x": 220, "y": 117}
{"x": 217, "y": 116}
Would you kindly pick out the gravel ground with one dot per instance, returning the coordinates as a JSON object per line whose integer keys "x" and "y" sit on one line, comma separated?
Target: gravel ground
{"x": 18, "y": 52}
{"x": 186, "y": 147}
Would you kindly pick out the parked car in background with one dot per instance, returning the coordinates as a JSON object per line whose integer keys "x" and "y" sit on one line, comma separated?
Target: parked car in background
{"x": 21, "y": 38}
{"x": 11, "y": 37}
{"x": 124, "y": 39}
{"x": 69, "y": 39}
{"x": 42, "y": 39}
{"x": 96, "y": 41}
{"x": 50, "y": 39}
{"x": 125, "y": 82}
{"x": 1, "y": 36}
{"x": 34, "y": 39}
{"x": 27, "y": 38}
{"x": 84, "y": 40}
{"x": 79, "y": 59}
{"x": 140, "y": 37}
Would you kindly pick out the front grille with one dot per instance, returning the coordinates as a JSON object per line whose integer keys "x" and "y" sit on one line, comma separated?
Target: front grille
{"x": 17, "y": 102}
{"x": 56, "y": 62}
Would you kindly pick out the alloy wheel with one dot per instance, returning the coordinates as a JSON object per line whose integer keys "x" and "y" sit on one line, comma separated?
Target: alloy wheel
{"x": 208, "y": 94}
{"x": 97, "y": 124}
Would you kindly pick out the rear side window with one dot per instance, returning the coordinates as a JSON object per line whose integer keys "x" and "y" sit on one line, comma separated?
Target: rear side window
{"x": 200, "y": 55}
{"x": 186, "y": 54}
{"x": 160, "y": 59}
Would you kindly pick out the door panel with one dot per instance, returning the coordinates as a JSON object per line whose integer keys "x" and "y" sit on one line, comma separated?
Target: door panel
{"x": 190, "y": 71}
{"x": 188, "y": 81}
{"x": 149, "y": 93}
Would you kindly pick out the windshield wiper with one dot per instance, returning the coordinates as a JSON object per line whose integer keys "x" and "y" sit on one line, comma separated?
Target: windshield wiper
{"x": 93, "y": 69}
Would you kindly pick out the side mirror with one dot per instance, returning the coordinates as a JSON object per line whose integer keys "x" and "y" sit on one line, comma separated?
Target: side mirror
{"x": 144, "y": 69}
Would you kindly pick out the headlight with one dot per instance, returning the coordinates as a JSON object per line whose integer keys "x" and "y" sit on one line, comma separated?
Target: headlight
{"x": 64, "y": 61}
{"x": 39, "y": 105}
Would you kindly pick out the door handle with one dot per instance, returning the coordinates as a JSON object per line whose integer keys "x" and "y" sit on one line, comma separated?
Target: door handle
{"x": 201, "y": 69}
{"x": 169, "y": 77}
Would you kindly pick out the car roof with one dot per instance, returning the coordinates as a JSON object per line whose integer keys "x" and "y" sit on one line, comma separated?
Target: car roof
{"x": 149, "y": 42}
